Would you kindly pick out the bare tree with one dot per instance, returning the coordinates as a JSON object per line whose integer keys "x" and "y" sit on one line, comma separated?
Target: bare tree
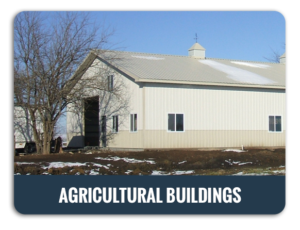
{"x": 275, "y": 55}
{"x": 47, "y": 51}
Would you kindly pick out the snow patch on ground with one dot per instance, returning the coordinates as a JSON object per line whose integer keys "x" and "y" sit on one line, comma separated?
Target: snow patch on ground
{"x": 234, "y": 150}
{"x": 183, "y": 172}
{"x": 159, "y": 173}
{"x": 238, "y": 74}
{"x": 181, "y": 162}
{"x": 128, "y": 160}
{"x": 93, "y": 172}
{"x": 128, "y": 171}
{"x": 279, "y": 171}
{"x": 251, "y": 174}
{"x": 25, "y": 163}
{"x": 261, "y": 174}
{"x": 245, "y": 163}
{"x": 237, "y": 162}
{"x": 100, "y": 165}
{"x": 63, "y": 164}
{"x": 163, "y": 173}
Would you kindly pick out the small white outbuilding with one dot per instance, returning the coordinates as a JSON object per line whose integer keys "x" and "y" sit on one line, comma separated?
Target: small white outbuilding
{"x": 187, "y": 102}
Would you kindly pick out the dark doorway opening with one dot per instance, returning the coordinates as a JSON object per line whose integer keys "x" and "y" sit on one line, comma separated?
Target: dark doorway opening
{"x": 91, "y": 121}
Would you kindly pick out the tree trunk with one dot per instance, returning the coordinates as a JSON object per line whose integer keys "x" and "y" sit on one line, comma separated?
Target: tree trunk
{"x": 46, "y": 146}
{"x": 46, "y": 143}
{"x": 38, "y": 145}
{"x": 38, "y": 140}
{"x": 48, "y": 131}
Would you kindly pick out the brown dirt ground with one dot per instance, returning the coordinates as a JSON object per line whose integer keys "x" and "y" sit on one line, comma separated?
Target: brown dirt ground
{"x": 202, "y": 162}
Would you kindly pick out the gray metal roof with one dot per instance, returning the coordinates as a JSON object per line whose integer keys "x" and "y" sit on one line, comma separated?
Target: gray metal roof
{"x": 185, "y": 69}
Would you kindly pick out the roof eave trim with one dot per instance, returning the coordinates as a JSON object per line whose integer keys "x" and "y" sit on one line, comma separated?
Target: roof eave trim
{"x": 209, "y": 84}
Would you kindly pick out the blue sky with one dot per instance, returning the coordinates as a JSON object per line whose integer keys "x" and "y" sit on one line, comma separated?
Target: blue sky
{"x": 238, "y": 35}
{"x": 242, "y": 35}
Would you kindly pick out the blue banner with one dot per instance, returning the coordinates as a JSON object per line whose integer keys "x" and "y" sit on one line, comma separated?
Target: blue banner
{"x": 149, "y": 194}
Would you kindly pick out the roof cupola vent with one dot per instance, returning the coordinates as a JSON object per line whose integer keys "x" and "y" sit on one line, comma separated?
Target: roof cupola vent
{"x": 197, "y": 51}
{"x": 282, "y": 58}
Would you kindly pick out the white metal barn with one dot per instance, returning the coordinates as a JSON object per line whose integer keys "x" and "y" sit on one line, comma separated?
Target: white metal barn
{"x": 191, "y": 102}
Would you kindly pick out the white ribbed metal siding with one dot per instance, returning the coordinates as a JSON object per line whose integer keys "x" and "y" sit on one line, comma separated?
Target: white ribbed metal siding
{"x": 136, "y": 104}
{"x": 213, "y": 116}
{"x": 213, "y": 108}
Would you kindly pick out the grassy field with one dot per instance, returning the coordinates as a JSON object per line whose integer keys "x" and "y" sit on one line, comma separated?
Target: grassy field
{"x": 154, "y": 162}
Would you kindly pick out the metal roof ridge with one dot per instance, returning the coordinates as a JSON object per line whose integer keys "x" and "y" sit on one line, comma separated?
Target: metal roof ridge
{"x": 134, "y": 52}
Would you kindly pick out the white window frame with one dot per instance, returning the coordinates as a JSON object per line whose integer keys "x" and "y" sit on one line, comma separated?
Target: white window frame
{"x": 132, "y": 131}
{"x": 112, "y": 126}
{"x": 275, "y": 124}
{"x": 110, "y": 82}
{"x": 175, "y": 123}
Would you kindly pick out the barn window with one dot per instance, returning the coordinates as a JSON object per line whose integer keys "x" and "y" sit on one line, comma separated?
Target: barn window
{"x": 275, "y": 124}
{"x": 175, "y": 122}
{"x": 110, "y": 81}
{"x": 133, "y": 122}
{"x": 115, "y": 126}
